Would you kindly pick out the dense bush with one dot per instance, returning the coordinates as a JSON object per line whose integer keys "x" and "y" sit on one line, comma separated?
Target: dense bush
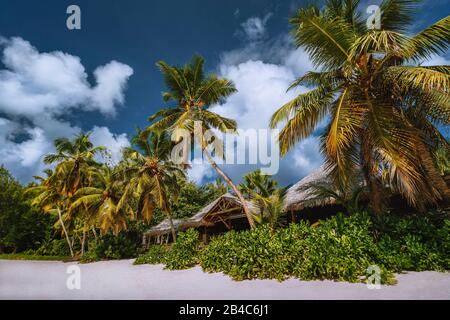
{"x": 21, "y": 226}
{"x": 55, "y": 247}
{"x": 340, "y": 248}
{"x": 255, "y": 254}
{"x": 156, "y": 254}
{"x": 110, "y": 247}
{"x": 183, "y": 253}
{"x": 414, "y": 243}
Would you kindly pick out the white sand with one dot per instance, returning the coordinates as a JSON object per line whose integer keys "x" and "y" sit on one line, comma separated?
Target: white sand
{"x": 123, "y": 280}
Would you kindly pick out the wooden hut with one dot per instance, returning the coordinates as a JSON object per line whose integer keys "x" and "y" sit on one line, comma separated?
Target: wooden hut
{"x": 223, "y": 214}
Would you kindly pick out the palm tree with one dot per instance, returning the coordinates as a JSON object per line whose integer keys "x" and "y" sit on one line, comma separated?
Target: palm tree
{"x": 384, "y": 109}
{"x": 193, "y": 93}
{"x": 257, "y": 182}
{"x": 74, "y": 159}
{"x": 270, "y": 204}
{"x": 151, "y": 174}
{"x": 105, "y": 201}
{"x": 48, "y": 198}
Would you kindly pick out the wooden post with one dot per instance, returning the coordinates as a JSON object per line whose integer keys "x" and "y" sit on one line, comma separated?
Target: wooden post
{"x": 205, "y": 236}
{"x": 144, "y": 240}
{"x": 292, "y": 216}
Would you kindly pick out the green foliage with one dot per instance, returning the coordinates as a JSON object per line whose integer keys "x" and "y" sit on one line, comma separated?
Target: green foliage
{"x": 193, "y": 197}
{"x": 156, "y": 254}
{"x": 442, "y": 159}
{"x": 21, "y": 226}
{"x": 54, "y": 247}
{"x": 257, "y": 254}
{"x": 184, "y": 252}
{"x": 340, "y": 248}
{"x": 414, "y": 243}
{"x": 256, "y": 182}
{"x": 111, "y": 247}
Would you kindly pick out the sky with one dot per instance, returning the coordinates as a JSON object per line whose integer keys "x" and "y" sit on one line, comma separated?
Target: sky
{"x": 103, "y": 79}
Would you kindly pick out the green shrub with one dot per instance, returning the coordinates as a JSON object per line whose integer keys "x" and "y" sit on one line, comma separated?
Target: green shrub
{"x": 341, "y": 248}
{"x": 415, "y": 243}
{"x": 183, "y": 253}
{"x": 110, "y": 247}
{"x": 55, "y": 247}
{"x": 255, "y": 254}
{"x": 156, "y": 254}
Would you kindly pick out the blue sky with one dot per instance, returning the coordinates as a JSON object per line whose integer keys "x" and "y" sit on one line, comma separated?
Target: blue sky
{"x": 103, "y": 78}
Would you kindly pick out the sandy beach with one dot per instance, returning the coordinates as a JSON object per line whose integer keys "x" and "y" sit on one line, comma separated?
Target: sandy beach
{"x": 123, "y": 280}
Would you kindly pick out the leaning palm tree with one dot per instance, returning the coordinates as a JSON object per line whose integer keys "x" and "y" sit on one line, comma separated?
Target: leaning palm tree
{"x": 384, "y": 106}
{"x": 49, "y": 199}
{"x": 151, "y": 174}
{"x": 194, "y": 93}
{"x": 105, "y": 201}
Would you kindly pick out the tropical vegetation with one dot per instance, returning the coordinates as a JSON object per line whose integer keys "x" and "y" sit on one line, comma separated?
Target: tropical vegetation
{"x": 385, "y": 107}
{"x": 384, "y": 111}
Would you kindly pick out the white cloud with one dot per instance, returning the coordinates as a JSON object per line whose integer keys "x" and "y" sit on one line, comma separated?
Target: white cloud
{"x": 436, "y": 60}
{"x": 111, "y": 82}
{"x": 101, "y": 136}
{"x": 35, "y": 82}
{"x": 254, "y": 28}
{"x": 262, "y": 71}
{"x": 199, "y": 173}
{"x": 37, "y": 90}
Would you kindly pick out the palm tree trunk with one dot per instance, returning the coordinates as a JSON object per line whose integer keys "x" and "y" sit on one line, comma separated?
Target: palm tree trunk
{"x": 83, "y": 242}
{"x": 247, "y": 212}
{"x": 95, "y": 233}
{"x": 172, "y": 227}
{"x": 65, "y": 232}
{"x": 375, "y": 187}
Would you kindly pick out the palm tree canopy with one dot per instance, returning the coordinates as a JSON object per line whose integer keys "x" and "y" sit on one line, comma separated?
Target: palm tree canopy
{"x": 150, "y": 173}
{"x": 384, "y": 108}
{"x": 193, "y": 93}
{"x": 74, "y": 157}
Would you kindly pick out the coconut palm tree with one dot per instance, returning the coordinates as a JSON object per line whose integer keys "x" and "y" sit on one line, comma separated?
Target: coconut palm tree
{"x": 50, "y": 200}
{"x": 384, "y": 106}
{"x": 74, "y": 157}
{"x": 270, "y": 204}
{"x": 151, "y": 174}
{"x": 257, "y": 182}
{"x": 105, "y": 201}
{"x": 193, "y": 93}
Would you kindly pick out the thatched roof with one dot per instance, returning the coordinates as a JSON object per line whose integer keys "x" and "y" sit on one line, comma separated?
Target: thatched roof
{"x": 299, "y": 197}
{"x": 200, "y": 218}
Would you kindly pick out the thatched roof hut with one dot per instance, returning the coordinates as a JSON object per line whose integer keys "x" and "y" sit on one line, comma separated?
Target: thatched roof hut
{"x": 299, "y": 196}
{"x": 224, "y": 210}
